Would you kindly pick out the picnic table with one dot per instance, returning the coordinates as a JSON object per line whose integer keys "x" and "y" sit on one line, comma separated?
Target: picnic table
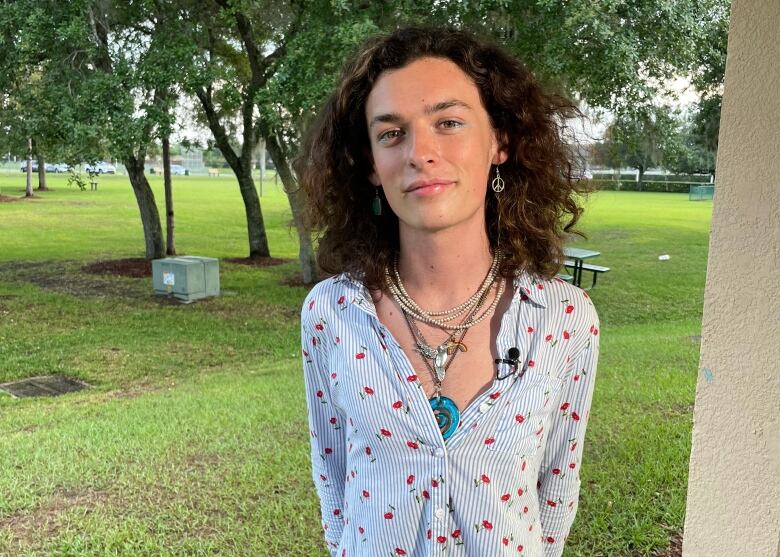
{"x": 576, "y": 261}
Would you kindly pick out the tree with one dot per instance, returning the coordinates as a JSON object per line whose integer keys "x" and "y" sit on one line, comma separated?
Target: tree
{"x": 170, "y": 243}
{"x": 614, "y": 55}
{"x": 694, "y": 153}
{"x": 640, "y": 139}
{"x": 33, "y": 90}
{"x": 306, "y": 74}
{"x": 260, "y": 69}
{"x": 105, "y": 69}
{"x": 708, "y": 74}
{"x": 231, "y": 67}
{"x": 137, "y": 54}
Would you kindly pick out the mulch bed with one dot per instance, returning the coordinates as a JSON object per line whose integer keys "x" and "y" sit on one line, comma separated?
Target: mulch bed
{"x": 257, "y": 261}
{"x": 297, "y": 280}
{"x": 134, "y": 267}
{"x": 138, "y": 267}
{"x": 10, "y": 198}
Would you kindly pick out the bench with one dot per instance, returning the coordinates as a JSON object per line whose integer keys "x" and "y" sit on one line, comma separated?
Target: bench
{"x": 564, "y": 277}
{"x": 595, "y": 269}
{"x": 213, "y": 172}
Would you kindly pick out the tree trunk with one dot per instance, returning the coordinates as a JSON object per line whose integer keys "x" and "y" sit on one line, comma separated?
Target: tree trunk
{"x": 170, "y": 246}
{"x": 150, "y": 218}
{"x": 641, "y": 176}
{"x": 41, "y": 173}
{"x": 295, "y": 197}
{"x": 242, "y": 168}
{"x": 28, "y": 192}
{"x": 258, "y": 241}
{"x": 261, "y": 150}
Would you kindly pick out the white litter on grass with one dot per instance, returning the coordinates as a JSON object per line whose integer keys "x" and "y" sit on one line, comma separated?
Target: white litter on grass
{"x": 663, "y": 257}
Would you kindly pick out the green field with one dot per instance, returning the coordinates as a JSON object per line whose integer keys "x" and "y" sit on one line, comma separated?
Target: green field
{"x": 194, "y": 440}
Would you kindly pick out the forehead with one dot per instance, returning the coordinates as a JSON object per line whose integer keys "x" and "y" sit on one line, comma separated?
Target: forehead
{"x": 422, "y": 82}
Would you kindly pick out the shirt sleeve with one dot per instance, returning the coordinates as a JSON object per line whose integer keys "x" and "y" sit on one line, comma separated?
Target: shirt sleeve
{"x": 326, "y": 429}
{"x": 559, "y": 474}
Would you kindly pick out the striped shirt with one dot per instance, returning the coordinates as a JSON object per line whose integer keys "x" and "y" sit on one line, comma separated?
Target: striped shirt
{"x": 505, "y": 483}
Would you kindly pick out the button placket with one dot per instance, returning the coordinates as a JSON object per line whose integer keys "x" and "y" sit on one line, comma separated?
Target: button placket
{"x": 402, "y": 366}
{"x": 473, "y": 414}
{"x": 439, "y": 495}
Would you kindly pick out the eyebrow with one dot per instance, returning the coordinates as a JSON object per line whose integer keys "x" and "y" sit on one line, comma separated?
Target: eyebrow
{"x": 395, "y": 118}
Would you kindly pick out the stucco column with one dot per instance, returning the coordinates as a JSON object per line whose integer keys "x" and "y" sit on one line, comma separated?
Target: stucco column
{"x": 734, "y": 484}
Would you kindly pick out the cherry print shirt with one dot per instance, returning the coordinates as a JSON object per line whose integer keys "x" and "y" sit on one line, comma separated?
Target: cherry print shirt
{"x": 505, "y": 483}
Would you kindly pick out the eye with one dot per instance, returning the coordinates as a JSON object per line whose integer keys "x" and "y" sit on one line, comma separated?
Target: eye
{"x": 450, "y": 124}
{"x": 388, "y": 135}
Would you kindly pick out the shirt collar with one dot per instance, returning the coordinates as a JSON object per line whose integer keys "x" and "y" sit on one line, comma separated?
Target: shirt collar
{"x": 531, "y": 287}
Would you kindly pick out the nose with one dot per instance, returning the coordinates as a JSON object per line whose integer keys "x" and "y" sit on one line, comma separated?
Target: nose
{"x": 423, "y": 147}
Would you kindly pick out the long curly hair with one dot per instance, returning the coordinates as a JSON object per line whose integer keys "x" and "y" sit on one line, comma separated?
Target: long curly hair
{"x": 536, "y": 210}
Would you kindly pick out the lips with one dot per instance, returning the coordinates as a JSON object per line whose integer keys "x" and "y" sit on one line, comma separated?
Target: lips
{"x": 427, "y": 185}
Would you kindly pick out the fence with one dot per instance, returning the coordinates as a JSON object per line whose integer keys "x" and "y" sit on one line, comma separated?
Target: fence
{"x": 647, "y": 185}
{"x": 701, "y": 193}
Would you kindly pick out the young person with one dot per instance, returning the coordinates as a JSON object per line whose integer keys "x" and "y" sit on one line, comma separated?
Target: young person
{"x": 449, "y": 373}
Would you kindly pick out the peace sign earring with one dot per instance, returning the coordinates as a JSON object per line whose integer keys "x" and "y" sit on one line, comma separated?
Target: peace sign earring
{"x": 498, "y": 182}
{"x": 498, "y": 186}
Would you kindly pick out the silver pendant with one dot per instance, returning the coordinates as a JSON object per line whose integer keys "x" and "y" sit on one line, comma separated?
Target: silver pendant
{"x": 440, "y": 361}
{"x": 440, "y": 355}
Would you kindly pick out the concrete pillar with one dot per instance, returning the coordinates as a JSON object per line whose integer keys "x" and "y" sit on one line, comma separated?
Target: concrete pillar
{"x": 733, "y": 503}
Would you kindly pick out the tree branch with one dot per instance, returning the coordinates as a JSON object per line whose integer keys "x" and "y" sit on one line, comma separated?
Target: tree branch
{"x": 216, "y": 127}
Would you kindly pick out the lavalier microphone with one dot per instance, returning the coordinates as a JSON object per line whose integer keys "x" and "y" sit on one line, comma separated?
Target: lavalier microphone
{"x": 512, "y": 359}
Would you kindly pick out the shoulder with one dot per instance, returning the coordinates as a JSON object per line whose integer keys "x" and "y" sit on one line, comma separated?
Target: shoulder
{"x": 329, "y": 295}
{"x": 572, "y": 308}
{"x": 567, "y": 309}
{"x": 570, "y": 300}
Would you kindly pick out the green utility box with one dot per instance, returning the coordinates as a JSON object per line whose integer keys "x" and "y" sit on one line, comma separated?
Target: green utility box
{"x": 186, "y": 278}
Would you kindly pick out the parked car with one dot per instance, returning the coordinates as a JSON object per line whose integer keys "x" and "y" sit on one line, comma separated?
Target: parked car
{"x": 58, "y": 167}
{"x": 50, "y": 167}
{"x": 101, "y": 167}
{"x": 177, "y": 169}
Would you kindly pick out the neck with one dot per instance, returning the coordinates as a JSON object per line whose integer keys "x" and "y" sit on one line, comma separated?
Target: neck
{"x": 442, "y": 269}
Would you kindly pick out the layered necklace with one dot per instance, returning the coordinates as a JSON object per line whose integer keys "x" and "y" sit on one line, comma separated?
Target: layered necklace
{"x": 438, "y": 359}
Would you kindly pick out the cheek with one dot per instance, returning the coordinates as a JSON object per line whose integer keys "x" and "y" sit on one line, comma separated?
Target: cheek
{"x": 384, "y": 165}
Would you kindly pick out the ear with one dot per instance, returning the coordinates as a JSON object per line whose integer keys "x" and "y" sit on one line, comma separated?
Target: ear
{"x": 502, "y": 151}
{"x": 501, "y": 156}
{"x": 373, "y": 177}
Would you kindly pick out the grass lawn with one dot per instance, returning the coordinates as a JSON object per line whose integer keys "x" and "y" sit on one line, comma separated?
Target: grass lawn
{"x": 194, "y": 440}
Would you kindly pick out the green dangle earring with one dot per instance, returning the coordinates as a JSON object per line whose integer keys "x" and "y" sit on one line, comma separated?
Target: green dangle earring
{"x": 376, "y": 205}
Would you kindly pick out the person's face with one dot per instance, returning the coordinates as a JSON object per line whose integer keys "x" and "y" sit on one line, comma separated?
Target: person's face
{"x": 432, "y": 144}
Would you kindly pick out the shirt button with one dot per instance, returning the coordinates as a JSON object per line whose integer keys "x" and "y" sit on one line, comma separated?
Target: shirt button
{"x": 440, "y": 513}
{"x": 484, "y": 407}
{"x": 438, "y": 453}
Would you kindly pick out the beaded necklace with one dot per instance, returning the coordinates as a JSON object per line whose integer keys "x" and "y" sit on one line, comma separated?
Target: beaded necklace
{"x": 439, "y": 359}
{"x": 408, "y": 305}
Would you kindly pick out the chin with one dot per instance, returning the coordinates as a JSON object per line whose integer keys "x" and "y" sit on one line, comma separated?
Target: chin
{"x": 434, "y": 224}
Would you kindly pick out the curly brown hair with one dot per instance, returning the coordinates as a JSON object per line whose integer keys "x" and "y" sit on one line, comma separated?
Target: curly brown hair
{"x": 538, "y": 207}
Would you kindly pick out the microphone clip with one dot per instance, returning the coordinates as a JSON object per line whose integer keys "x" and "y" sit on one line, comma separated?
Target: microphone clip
{"x": 512, "y": 360}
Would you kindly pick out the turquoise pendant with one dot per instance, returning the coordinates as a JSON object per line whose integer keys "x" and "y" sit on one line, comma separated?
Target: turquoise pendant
{"x": 447, "y": 415}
